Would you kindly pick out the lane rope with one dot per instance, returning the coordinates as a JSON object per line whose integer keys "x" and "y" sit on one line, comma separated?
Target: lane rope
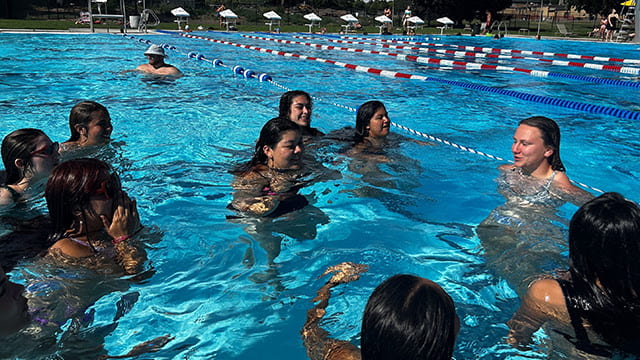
{"x": 461, "y": 64}
{"x": 491, "y": 55}
{"x": 506, "y": 51}
{"x": 402, "y": 127}
{"x": 569, "y": 104}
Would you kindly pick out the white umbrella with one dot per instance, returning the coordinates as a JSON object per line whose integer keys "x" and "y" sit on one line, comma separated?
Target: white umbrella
{"x": 272, "y": 15}
{"x": 445, "y": 20}
{"x": 349, "y": 18}
{"x": 179, "y": 12}
{"x": 313, "y": 17}
{"x": 228, "y": 14}
{"x": 416, "y": 20}
{"x": 383, "y": 19}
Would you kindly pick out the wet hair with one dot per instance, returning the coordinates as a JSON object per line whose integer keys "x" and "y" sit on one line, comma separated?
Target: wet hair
{"x": 287, "y": 99}
{"x": 18, "y": 144}
{"x": 363, "y": 118}
{"x": 81, "y": 115}
{"x": 550, "y": 136}
{"x": 604, "y": 247}
{"x": 270, "y": 135}
{"x": 408, "y": 317}
{"x": 71, "y": 186}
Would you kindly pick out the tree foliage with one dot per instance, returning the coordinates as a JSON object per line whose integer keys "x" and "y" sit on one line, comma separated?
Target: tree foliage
{"x": 594, "y": 7}
{"x": 458, "y": 10}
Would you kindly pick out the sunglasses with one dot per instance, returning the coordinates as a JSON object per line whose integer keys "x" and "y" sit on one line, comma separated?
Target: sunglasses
{"x": 47, "y": 151}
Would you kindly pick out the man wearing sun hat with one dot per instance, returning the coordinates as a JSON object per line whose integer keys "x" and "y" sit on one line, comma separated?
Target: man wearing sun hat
{"x": 156, "y": 65}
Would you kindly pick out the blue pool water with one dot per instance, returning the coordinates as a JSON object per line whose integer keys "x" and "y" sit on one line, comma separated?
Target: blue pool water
{"x": 176, "y": 140}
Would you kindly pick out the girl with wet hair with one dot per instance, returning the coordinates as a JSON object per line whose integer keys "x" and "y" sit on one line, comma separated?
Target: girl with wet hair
{"x": 28, "y": 156}
{"x": 595, "y": 305}
{"x": 406, "y": 317}
{"x": 94, "y": 220}
{"x": 536, "y": 159}
{"x": 273, "y": 174}
{"x": 297, "y": 106}
{"x": 372, "y": 122}
{"x": 90, "y": 125}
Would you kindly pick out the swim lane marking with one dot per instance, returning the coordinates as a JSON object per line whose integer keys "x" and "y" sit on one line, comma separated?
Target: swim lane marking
{"x": 402, "y": 127}
{"x": 505, "y": 51}
{"x": 463, "y": 64}
{"x": 602, "y": 67}
{"x": 596, "y": 109}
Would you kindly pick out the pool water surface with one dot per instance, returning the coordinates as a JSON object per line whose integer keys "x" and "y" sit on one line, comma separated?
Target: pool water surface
{"x": 213, "y": 288}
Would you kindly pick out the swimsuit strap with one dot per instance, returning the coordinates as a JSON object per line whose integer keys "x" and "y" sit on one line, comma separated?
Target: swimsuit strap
{"x": 84, "y": 243}
{"x": 550, "y": 180}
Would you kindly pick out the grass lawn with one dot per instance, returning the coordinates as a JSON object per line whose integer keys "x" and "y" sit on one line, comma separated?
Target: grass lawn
{"x": 546, "y": 29}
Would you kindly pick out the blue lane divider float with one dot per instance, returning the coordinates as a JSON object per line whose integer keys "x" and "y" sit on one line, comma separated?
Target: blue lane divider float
{"x": 247, "y": 74}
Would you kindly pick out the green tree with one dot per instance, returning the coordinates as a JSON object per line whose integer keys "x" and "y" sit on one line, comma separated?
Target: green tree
{"x": 595, "y": 7}
{"x": 459, "y": 10}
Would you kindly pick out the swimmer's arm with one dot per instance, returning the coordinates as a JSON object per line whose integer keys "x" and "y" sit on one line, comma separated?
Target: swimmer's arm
{"x": 543, "y": 301}
{"x": 6, "y": 199}
{"x": 248, "y": 196}
{"x": 70, "y": 248}
{"x": 168, "y": 70}
{"x": 570, "y": 192}
{"x": 316, "y": 340}
{"x": 123, "y": 227}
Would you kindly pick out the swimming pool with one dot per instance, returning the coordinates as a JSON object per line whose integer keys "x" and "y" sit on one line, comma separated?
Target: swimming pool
{"x": 176, "y": 141}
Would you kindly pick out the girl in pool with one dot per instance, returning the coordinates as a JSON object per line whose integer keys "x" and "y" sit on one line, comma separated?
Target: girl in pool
{"x": 406, "y": 317}
{"x": 536, "y": 154}
{"x": 271, "y": 179}
{"x": 90, "y": 126}
{"x": 28, "y": 156}
{"x": 296, "y": 106}
{"x": 372, "y": 125}
{"x": 534, "y": 186}
{"x": 93, "y": 219}
{"x": 596, "y": 304}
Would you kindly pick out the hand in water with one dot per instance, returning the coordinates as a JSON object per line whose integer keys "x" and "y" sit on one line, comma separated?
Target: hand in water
{"x": 345, "y": 272}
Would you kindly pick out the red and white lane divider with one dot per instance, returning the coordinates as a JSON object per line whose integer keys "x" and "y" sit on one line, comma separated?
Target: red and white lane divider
{"x": 503, "y": 51}
{"x": 385, "y": 73}
{"x": 619, "y": 69}
{"x": 452, "y": 63}
{"x": 418, "y": 59}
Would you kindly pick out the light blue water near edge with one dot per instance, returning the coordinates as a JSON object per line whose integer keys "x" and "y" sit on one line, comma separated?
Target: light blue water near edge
{"x": 181, "y": 137}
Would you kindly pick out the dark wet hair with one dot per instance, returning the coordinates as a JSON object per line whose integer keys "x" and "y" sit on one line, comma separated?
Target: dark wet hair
{"x": 81, "y": 115}
{"x": 287, "y": 99}
{"x": 70, "y": 187}
{"x": 604, "y": 248}
{"x": 550, "y": 136}
{"x": 18, "y": 144}
{"x": 408, "y": 317}
{"x": 363, "y": 117}
{"x": 270, "y": 135}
